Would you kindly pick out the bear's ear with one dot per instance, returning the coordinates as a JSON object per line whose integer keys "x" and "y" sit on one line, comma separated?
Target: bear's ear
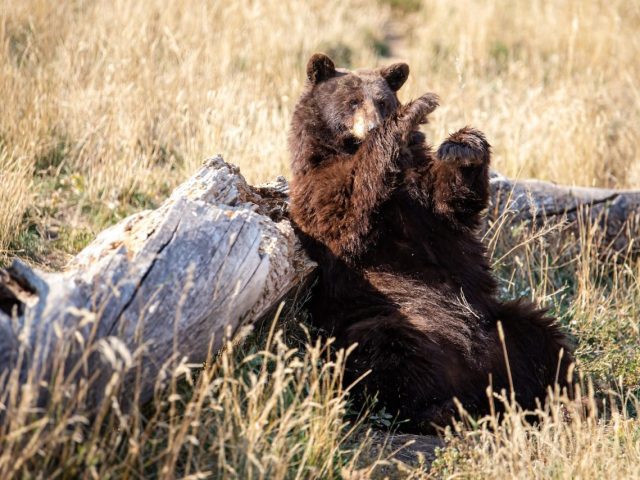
{"x": 319, "y": 68}
{"x": 395, "y": 75}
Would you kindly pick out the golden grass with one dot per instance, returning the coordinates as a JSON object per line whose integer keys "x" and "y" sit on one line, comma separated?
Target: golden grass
{"x": 124, "y": 99}
{"x": 276, "y": 412}
{"x": 553, "y": 84}
{"x": 107, "y": 105}
{"x": 272, "y": 406}
{"x": 131, "y": 96}
{"x": 585, "y": 448}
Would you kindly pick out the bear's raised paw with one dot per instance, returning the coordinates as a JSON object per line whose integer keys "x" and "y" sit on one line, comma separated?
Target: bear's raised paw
{"x": 467, "y": 147}
{"x": 415, "y": 112}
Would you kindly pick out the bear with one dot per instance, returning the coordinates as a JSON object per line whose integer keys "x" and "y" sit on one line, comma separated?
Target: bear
{"x": 403, "y": 275}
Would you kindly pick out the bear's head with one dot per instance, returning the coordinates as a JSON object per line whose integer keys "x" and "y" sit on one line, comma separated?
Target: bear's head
{"x": 352, "y": 103}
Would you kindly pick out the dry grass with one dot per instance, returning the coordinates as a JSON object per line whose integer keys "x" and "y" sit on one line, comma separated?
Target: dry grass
{"x": 588, "y": 448}
{"x": 274, "y": 412}
{"x": 272, "y": 405}
{"x": 553, "y": 84}
{"x": 108, "y": 105}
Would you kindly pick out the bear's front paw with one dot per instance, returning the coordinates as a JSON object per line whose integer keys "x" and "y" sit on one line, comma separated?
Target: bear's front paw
{"x": 466, "y": 147}
{"x": 415, "y": 112}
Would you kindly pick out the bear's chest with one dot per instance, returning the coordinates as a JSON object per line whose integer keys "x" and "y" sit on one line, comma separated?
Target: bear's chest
{"x": 406, "y": 237}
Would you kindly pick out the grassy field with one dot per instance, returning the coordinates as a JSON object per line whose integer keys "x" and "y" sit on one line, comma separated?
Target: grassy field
{"x": 106, "y": 106}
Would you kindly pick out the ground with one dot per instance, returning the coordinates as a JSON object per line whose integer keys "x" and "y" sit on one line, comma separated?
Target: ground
{"x": 107, "y": 106}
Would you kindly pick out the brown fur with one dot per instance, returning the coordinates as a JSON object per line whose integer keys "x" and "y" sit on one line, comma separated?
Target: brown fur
{"x": 393, "y": 226}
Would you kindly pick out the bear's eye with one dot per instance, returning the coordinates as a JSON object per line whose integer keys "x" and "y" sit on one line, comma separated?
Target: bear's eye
{"x": 354, "y": 104}
{"x": 381, "y": 104}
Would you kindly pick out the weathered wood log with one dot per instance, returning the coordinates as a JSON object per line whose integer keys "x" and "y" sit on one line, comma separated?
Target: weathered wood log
{"x": 172, "y": 283}
{"x": 614, "y": 213}
{"x": 168, "y": 283}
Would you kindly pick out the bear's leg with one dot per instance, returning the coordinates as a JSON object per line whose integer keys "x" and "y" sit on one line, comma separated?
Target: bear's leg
{"x": 411, "y": 376}
{"x": 538, "y": 352}
{"x": 461, "y": 176}
{"x": 390, "y": 364}
{"x": 435, "y": 415}
{"x": 434, "y": 418}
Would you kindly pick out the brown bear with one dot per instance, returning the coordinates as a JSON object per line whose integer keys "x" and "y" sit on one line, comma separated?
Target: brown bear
{"x": 403, "y": 274}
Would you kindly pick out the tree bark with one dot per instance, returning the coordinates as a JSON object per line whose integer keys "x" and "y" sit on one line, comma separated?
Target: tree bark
{"x": 612, "y": 216}
{"x": 166, "y": 285}
{"x": 171, "y": 284}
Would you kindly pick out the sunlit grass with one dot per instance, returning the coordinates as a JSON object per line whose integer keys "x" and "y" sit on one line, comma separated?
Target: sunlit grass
{"x": 106, "y": 106}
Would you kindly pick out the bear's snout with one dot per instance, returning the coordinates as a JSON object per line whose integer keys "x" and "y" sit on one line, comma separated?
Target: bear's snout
{"x": 365, "y": 119}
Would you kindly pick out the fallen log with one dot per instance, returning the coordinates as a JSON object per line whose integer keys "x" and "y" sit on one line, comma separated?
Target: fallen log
{"x": 611, "y": 215}
{"x": 171, "y": 284}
